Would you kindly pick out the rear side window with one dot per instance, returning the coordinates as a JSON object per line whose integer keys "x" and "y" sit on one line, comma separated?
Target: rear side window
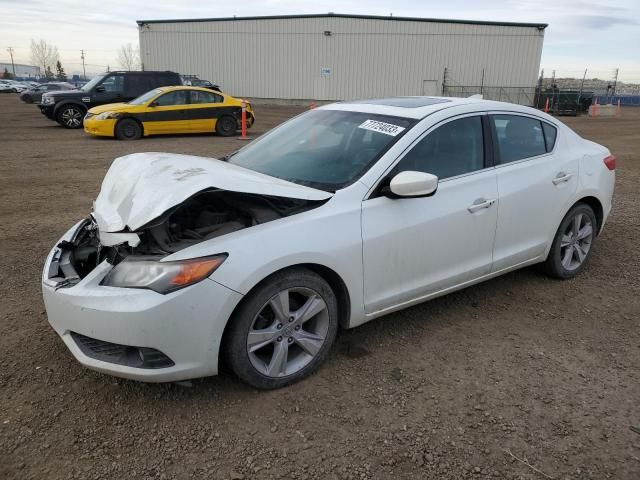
{"x": 165, "y": 80}
{"x": 550, "y": 133}
{"x": 455, "y": 148}
{"x": 518, "y": 137}
{"x": 198, "y": 96}
{"x": 138, "y": 84}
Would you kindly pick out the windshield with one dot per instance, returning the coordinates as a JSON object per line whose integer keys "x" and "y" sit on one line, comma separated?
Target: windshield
{"x": 92, "y": 83}
{"x": 145, "y": 97}
{"x": 324, "y": 149}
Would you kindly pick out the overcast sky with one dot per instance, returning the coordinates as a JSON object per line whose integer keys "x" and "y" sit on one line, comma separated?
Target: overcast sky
{"x": 581, "y": 34}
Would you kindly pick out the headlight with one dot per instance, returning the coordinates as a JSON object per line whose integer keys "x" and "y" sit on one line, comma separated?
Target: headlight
{"x": 161, "y": 277}
{"x": 107, "y": 115}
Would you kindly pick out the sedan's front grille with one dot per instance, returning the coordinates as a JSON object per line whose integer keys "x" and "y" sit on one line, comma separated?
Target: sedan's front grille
{"x": 138, "y": 357}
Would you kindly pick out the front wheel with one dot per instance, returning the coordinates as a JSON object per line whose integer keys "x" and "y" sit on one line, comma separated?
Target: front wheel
{"x": 573, "y": 243}
{"x": 283, "y": 331}
{"x": 226, "y": 126}
{"x": 128, "y": 129}
{"x": 70, "y": 116}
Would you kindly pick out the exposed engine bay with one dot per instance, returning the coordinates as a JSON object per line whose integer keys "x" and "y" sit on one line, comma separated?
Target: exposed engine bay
{"x": 206, "y": 215}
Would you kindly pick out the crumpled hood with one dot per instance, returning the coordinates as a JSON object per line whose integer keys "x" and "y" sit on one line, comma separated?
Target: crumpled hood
{"x": 138, "y": 188}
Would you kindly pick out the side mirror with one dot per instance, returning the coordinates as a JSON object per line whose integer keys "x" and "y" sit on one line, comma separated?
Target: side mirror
{"x": 100, "y": 89}
{"x": 153, "y": 104}
{"x": 410, "y": 184}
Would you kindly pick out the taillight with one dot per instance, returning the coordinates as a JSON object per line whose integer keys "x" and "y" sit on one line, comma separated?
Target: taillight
{"x": 610, "y": 162}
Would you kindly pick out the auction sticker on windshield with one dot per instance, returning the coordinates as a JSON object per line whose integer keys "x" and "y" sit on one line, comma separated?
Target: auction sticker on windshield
{"x": 382, "y": 127}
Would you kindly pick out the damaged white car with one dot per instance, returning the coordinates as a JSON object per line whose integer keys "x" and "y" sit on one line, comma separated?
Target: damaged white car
{"x": 338, "y": 216}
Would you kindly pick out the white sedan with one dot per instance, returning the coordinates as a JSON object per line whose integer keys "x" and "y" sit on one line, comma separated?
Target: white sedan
{"x": 341, "y": 215}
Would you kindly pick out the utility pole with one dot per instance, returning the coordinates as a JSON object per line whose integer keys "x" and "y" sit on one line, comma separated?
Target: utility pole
{"x": 615, "y": 82}
{"x": 13, "y": 66}
{"x": 84, "y": 71}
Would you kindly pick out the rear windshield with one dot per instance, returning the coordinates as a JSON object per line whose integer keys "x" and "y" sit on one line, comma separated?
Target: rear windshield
{"x": 324, "y": 149}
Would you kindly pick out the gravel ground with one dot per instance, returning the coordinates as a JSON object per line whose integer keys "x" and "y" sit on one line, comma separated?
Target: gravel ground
{"x": 522, "y": 377}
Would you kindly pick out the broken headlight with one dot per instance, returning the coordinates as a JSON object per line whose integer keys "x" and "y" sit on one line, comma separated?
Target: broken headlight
{"x": 161, "y": 277}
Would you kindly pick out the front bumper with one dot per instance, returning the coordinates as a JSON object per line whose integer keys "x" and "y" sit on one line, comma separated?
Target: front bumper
{"x": 100, "y": 128}
{"x": 185, "y": 325}
{"x": 47, "y": 110}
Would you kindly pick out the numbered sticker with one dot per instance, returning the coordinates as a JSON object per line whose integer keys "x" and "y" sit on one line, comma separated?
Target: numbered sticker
{"x": 382, "y": 127}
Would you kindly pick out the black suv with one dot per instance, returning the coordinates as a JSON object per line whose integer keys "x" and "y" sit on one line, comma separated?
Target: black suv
{"x": 69, "y": 107}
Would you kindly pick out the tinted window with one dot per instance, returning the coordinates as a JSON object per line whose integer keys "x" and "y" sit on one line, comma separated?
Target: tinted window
{"x": 173, "y": 98}
{"x": 113, "y": 84}
{"x": 455, "y": 148}
{"x": 518, "y": 137}
{"x": 205, "y": 97}
{"x": 138, "y": 84}
{"x": 53, "y": 87}
{"x": 550, "y": 133}
{"x": 165, "y": 80}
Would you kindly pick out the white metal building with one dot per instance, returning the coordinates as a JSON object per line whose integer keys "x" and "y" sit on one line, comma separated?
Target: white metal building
{"x": 336, "y": 57}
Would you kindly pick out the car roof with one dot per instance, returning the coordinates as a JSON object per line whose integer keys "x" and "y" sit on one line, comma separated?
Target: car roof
{"x": 420, "y": 107}
{"x": 186, "y": 87}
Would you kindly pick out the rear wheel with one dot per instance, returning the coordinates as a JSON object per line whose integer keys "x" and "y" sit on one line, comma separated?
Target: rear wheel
{"x": 70, "y": 116}
{"x": 284, "y": 329}
{"x": 128, "y": 129}
{"x": 226, "y": 126}
{"x": 573, "y": 243}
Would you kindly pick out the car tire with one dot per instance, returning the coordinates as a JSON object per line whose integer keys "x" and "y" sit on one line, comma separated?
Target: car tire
{"x": 283, "y": 330}
{"x": 128, "y": 129}
{"x": 70, "y": 116}
{"x": 572, "y": 243}
{"x": 226, "y": 126}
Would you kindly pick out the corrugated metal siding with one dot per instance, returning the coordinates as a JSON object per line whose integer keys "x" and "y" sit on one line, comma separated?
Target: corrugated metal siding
{"x": 283, "y": 58}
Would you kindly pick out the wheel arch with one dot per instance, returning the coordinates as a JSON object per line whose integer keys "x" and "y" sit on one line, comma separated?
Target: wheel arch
{"x": 597, "y": 208}
{"x": 69, "y": 101}
{"x": 128, "y": 117}
{"x": 334, "y": 280}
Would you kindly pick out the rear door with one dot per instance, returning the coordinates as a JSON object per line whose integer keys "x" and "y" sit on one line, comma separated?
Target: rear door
{"x": 203, "y": 111}
{"x": 136, "y": 84}
{"x": 166, "y": 114}
{"x": 536, "y": 179}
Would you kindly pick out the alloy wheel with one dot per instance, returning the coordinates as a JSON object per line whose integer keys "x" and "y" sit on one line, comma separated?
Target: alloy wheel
{"x": 288, "y": 332}
{"x": 576, "y": 242}
{"x": 72, "y": 117}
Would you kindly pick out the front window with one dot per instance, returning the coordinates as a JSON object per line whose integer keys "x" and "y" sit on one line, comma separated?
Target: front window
{"x": 92, "y": 83}
{"x": 324, "y": 149}
{"x": 145, "y": 97}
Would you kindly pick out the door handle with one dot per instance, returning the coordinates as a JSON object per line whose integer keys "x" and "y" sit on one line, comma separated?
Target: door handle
{"x": 561, "y": 178}
{"x": 479, "y": 204}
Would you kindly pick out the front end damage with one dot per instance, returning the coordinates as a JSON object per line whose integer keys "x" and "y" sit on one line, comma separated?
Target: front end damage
{"x": 206, "y": 215}
{"x": 110, "y": 288}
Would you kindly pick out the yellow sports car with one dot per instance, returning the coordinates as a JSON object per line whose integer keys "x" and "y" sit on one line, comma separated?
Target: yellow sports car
{"x": 167, "y": 110}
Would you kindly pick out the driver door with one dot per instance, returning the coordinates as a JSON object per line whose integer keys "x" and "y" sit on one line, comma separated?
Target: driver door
{"x": 416, "y": 247}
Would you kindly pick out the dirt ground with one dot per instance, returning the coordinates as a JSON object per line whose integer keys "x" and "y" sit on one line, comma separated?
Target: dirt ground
{"x": 519, "y": 367}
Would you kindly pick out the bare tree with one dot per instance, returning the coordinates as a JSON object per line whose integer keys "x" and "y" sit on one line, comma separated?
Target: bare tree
{"x": 44, "y": 54}
{"x": 128, "y": 57}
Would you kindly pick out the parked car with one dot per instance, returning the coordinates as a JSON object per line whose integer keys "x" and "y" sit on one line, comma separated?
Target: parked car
{"x": 340, "y": 215}
{"x": 167, "y": 110}
{"x": 34, "y": 95}
{"x": 6, "y": 87}
{"x": 69, "y": 107}
{"x": 196, "y": 82}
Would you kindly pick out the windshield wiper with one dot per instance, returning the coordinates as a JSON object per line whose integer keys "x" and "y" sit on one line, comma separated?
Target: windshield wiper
{"x": 227, "y": 157}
